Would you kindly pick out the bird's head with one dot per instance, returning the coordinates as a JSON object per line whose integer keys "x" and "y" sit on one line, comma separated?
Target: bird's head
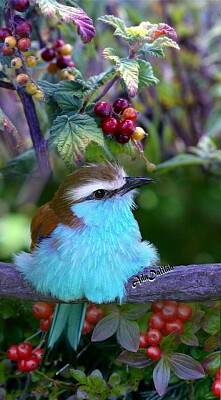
{"x": 95, "y": 184}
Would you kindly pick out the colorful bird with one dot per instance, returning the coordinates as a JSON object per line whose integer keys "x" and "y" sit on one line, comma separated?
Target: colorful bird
{"x": 86, "y": 243}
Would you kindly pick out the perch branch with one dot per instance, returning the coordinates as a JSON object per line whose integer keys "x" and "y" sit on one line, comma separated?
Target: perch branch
{"x": 182, "y": 283}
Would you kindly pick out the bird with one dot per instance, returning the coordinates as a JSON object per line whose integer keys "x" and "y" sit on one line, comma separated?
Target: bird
{"x": 86, "y": 243}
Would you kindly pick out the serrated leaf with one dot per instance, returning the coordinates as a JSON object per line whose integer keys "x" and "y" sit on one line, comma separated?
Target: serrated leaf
{"x": 78, "y": 375}
{"x": 98, "y": 80}
{"x": 146, "y": 76}
{"x": 118, "y": 24}
{"x": 96, "y": 153}
{"x": 114, "y": 379}
{"x": 75, "y": 89}
{"x": 106, "y": 327}
{"x": 70, "y": 135}
{"x": 166, "y": 42}
{"x": 213, "y": 342}
{"x": 210, "y": 322}
{"x": 84, "y": 24}
{"x": 134, "y": 311}
{"x": 185, "y": 367}
{"x": 161, "y": 376}
{"x": 5, "y": 60}
{"x": 48, "y": 88}
{"x": 68, "y": 103}
{"x": 110, "y": 54}
{"x": 181, "y": 160}
{"x": 152, "y": 49}
{"x": 212, "y": 362}
{"x": 129, "y": 71}
{"x": 20, "y": 166}
{"x": 128, "y": 334}
{"x": 170, "y": 342}
{"x": 135, "y": 360}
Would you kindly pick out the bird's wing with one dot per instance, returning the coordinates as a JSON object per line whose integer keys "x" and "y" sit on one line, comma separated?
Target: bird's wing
{"x": 43, "y": 223}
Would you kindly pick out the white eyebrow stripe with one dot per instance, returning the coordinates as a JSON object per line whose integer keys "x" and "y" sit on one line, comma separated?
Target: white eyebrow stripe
{"x": 86, "y": 190}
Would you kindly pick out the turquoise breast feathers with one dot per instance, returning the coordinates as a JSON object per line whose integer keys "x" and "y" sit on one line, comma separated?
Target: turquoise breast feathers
{"x": 94, "y": 261}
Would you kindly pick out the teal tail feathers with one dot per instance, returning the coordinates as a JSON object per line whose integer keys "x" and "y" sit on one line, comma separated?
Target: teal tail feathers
{"x": 65, "y": 332}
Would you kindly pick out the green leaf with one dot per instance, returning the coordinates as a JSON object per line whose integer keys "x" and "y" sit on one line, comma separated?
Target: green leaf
{"x": 5, "y": 60}
{"x": 20, "y": 166}
{"x": 47, "y": 87}
{"x": 99, "y": 80}
{"x": 212, "y": 362}
{"x": 213, "y": 342}
{"x": 84, "y": 24}
{"x": 128, "y": 334}
{"x": 146, "y": 76}
{"x": 70, "y": 135}
{"x": 2, "y": 4}
{"x": 76, "y": 89}
{"x": 96, "y": 380}
{"x": 181, "y": 160}
{"x": 68, "y": 102}
{"x": 118, "y": 24}
{"x": 78, "y": 375}
{"x": 170, "y": 342}
{"x": 210, "y": 322}
{"x": 110, "y": 54}
{"x": 96, "y": 153}
{"x": 129, "y": 71}
{"x": 116, "y": 148}
{"x": 106, "y": 327}
{"x": 114, "y": 379}
{"x": 134, "y": 311}
{"x": 164, "y": 41}
{"x": 152, "y": 49}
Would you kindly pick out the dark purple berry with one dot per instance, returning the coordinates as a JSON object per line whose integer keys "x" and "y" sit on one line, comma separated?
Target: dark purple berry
{"x": 18, "y": 19}
{"x": 102, "y": 109}
{"x": 122, "y": 138}
{"x": 4, "y": 32}
{"x": 21, "y": 5}
{"x": 63, "y": 62}
{"x": 127, "y": 127}
{"x": 120, "y": 105}
{"x": 47, "y": 54}
{"x": 24, "y": 29}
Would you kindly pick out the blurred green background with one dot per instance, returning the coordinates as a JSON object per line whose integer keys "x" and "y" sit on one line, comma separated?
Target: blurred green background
{"x": 181, "y": 212}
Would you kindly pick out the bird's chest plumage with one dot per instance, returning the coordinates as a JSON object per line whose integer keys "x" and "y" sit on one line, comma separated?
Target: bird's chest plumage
{"x": 96, "y": 259}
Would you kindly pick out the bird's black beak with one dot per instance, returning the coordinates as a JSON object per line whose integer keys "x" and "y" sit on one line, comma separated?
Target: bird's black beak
{"x": 134, "y": 183}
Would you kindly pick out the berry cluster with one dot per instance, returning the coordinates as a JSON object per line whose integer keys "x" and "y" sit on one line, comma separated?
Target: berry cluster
{"x": 217, "y": 384}
{"x": 44, "y": 312}
{"x": 119, "y": 120}
{"x": 168, "y": 316}
{"x": 59, "y": 57}
{"x": 93, "y": 315}
{"x": 26, "y": 357}
{"x": 17, "y": 40}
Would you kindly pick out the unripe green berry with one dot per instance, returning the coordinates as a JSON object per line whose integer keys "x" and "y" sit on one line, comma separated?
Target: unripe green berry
{"x": 151, "y": 167}
{"x": 31, "y": 88}
{"x": 39, "y": 95}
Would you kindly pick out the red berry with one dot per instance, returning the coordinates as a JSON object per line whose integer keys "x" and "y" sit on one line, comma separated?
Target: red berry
{"x": 52, "y": 68}
{"x": 169, "y": 312}
{"x": 169, "y": 302}
{"x": 217, "y": 388}
{"x": 120, "y": 105}
{"x": 184, "y": 312}
{"x": 175, "y": 325}
{"x": 218, "y": 374}
{"x": 24, "y": 350}
{"x": 42, "y": 310}
{"x": 130, "y": 113}
{"x": 58, "y": 44}
{"x": 110, "y": 126}
{"x": 37, "y": 353}
{"x": 31, "y": 364}
{"x": 22, "y": 366}
{"x": 102, "y": 109}
{"x": 45, "y": 324}
{"x": 153, "y": 352}
{"x": 94, "y": 314}
{"x": 122, "y": 138}
{"x": 157, "y": 306}
{"x": 127, "y": 127}
{"x": 4, "y": 32}
{"x": 21, "y": 5}
{"x": 24, "y": 29}
{"x": 143, "y": 340}
{"x": 87, "y": 327}
{"x": 154, "y": 336}
{"x": 63, "y": 62}
{"x": 24, "y": 44}
{"x": 7, "y": 51}
{"x": 156, "y": 321}
{"x": 13, "y": 352}
{"x": 47, "y": 54}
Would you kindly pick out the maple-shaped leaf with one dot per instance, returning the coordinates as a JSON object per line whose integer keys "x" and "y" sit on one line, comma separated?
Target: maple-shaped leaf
{"x": 71, "y": 134}
{"x": 85, "y": 27}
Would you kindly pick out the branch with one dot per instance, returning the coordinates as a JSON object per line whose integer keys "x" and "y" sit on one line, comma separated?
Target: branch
{"x": 182, "y": 283}
{"x": 7, "y": 85}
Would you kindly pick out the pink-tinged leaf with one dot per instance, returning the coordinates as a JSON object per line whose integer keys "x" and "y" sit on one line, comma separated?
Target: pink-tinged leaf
{"x": 84, "y": 24}
{"x": 135, "y": 360}
{"x": 164, "y": 29}
{"x": 128, "y": 334}
{"x": 196, "y": 319}
{"x": 213, "y": 342}
{"x": 106, "y": 327}
{"x": 212, "y": 362}
{"x": 170, "y": 342}
{"x": 161, "y": 376}
{"x": 190, "y": 339}
{"x": 185, "y": 367}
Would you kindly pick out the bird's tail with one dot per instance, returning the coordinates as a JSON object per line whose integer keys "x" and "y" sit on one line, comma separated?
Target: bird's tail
{"x": 65, "y": 332}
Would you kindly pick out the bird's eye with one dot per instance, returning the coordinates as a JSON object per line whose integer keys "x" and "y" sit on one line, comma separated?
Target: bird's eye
{"x": 99, "y": 194}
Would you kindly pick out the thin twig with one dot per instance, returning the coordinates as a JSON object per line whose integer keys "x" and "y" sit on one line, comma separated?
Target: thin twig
{"x": 26, "y": 389}
{"x": 7, "y": 85}
{"x": 107, "y": 87}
